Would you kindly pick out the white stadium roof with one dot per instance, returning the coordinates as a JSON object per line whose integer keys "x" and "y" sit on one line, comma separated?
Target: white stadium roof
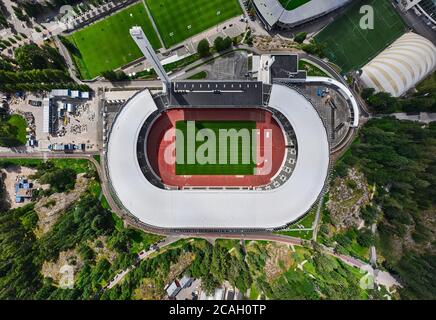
{"x": 401, "y": 66}
{"x": 241, "y": 209}
{"x": 272, "y": 11}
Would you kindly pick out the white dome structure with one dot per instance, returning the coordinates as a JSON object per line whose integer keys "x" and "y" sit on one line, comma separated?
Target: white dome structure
{"x": 400, "y": 67}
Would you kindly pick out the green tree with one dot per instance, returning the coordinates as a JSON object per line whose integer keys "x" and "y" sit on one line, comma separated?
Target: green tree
{"x": 31, "y": 57}
{"x": 383, "y": 102}
{"x": 59, "y": 180}
{"x": 300, "y": 37}
{"x": 203, "y": 48}
{"x": 221, "y": 44}
{"x": 115, "y": 76}
{"x": 315, "y": 48}
{"x": 8, "y": 135}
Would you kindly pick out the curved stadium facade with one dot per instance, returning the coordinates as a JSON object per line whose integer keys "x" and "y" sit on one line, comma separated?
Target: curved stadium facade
{"x": 299, "y": 172}
{"x": 273, "y": 13}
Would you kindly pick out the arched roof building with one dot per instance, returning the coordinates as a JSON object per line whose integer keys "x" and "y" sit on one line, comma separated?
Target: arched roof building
{"x": 401, "y": 66}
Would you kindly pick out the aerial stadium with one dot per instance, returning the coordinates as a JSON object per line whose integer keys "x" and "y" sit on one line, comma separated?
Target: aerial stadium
{"x": 222, "y": 155}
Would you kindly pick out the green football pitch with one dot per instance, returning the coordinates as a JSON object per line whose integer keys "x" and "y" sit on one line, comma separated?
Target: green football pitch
{"x": 107, "y": 45}
{"x": 351, "y": 47}
{"x": 178, "y": 20}
{"x": 236, "y": 150}
{"x": 292, "y": 4}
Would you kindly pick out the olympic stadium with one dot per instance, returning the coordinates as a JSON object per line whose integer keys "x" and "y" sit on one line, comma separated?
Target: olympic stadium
{"x": 168, "y": 195}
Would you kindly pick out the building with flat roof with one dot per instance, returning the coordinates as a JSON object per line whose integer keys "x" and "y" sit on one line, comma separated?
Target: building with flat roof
{"x": 173, "y": 289}
{"x": 23, "y": 190}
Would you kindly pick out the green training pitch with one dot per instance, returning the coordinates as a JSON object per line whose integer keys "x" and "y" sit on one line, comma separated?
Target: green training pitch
{"x": 236, "y": 150}
{"x": 107, "y": 45}
{"x": 292, "y": 4}
{"x": 351, "y": 47}
{"x": 178, "y": 20}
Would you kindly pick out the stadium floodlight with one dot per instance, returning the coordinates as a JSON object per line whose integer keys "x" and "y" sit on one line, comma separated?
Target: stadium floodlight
{"x": 146, "y": 48}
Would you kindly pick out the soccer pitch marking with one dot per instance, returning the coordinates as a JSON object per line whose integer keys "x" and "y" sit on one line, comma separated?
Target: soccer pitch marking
{"x": 351, "y": 47}
{"x": 178, "y": 20}
{"x": 106, "y": 44}
{"x": 216, "y": 147}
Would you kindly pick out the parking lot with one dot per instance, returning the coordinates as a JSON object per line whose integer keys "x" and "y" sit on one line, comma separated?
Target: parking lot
{"x": 79, "y": 127}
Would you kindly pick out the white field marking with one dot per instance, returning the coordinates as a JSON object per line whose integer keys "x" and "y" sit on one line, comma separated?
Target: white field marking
{"x": 301, "y": 265}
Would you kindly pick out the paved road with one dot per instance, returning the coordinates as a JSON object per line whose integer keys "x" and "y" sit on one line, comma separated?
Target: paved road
{"x": 141, "y": 256}
{"x": 423, "y": 117}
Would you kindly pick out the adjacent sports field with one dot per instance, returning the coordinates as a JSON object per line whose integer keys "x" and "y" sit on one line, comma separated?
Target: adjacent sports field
{"x": 107, "y": 45}
{"x": 351, "y": 47}
{"x": 292, "y": 4}
{"x": 178, "y": 20}
{"x": 237, "y": 150}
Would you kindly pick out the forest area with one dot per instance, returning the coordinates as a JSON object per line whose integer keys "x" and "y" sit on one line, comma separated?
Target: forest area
{"x": 102, "y": 246}
{"x": 399, "y": 158}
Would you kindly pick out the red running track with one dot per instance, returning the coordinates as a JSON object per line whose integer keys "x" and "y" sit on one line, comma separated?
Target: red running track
{"x": 165, "y": 124}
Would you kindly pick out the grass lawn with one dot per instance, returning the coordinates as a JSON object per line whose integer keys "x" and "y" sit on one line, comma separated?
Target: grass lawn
{"x": 30, "y": 163}
{"x": 95, "y": 189}
{"x": 107, "y": 45}
{"x": 312, "y": 70}
{"x": 178, "y": 20}
{"x": 20, "y": 123}
{"x": 292, "y": 4}
{"x": 141, "y": 240}
{"x": 429, "y": 84}
{"x": 254, "y": 292}
{"x": 351, "y": 47}
{"x": 199, "y": 76}
{"x": 306, "y": 235}
{"x": 237, "y": 149}
{"x": 78, "y": 165}
{"x": 97, "y": 158}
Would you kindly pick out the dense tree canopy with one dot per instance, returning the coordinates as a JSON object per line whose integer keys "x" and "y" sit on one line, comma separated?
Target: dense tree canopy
{"x": 8, "y": 135}
{"x": 203, "y": 48}
{"x": 222, "y": 44}
{"x": 34, "y": 57}
{"x": 399, "y": 157}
